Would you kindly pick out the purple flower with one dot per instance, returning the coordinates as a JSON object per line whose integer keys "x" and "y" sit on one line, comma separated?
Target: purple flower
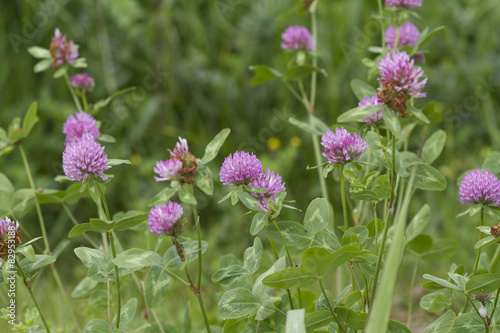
{"x": 84, "y": 158}
{"x": 167, "y": 170}
{"x": 240, "y": 168}
{"x": 166, "y": 219}
{"x": 62, "y": 50}
{"x": 408, "y": 35}
{"x": 483, "y": 298}
{"x": 181, "y": 150}
{"x": 9, "y": 236}
{"x": 297, "y": 38}
{"x": 7, "y": 226}
{"x": 78, "y": 125}
{"x": 403, "y": 3}
{"x": 375, "y": 119}
{"x": 341, "y": 147}
{"x": 269, "y": 182}
{"x": 480, "y": 187}
{"x": 82, "y": 82}
{"x": 399, "y": 79}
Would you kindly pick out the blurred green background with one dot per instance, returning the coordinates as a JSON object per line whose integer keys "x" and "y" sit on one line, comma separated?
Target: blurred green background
{"x": 189, "y": 63}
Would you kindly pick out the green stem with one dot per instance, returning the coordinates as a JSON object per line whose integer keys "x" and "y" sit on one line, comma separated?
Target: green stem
{"x": 284, "y": 243}
{"x": 480, "y": 237}
{"x": 412, "y": 285}
{"x": 393, "y": 171}
{"x": 330, "y": 306}
{"x": 204, "y": 312}
{"x": 28, "y": 286}
{"x": 314, "y": 75}
{"x": 382, "y": 27}
{"x": 75, "y": 222}
{"x": 75, "y": 99}
{"x": 379, "y": 259}
{"x": 104, "y": 202}
{"x": 175, "y": 276}
{"x": 198, "y": 228}
{"x": 317, "y": 154}
{"x": 155, "y": 318}
{"x": 376, "y": 227}
{"x": 113, "y": 252}
{"x": 37, "y": 204}
{"x": 342, "y": 190}
{"x": 495, "y": 306}
{"x": 297, "y": 95}
{"x": 477, "y": 311}
{"x": 84, "y": 100}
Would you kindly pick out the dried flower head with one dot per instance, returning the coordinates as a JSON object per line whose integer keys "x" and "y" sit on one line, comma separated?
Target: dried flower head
{"x": 78, "y": 125}
{"x": 342, "y": 147}
{"x": 400, "y": 81}
{"x": 181, "y": 150}
{"x": 480, "y": 187}
{"x": 61, "y": 50}
{"x": 166, "y": 219}
{"x": 10, "y": 236}
{"x": 271, "y": 183}
{"x": 82, "y": 82}
{"x": 240, "y": 168}
{"x": 297, "y": 38}
{"x": 408, "y": 35}
{"x": 403, "y": 3}
{"x": 84, "y": 158}
{"x": 168, "y": 170}
{"x": 375, "y": 119}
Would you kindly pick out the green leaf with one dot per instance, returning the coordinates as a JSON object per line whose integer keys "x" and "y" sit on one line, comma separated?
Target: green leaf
{"x": 441, "y": 282}
{"x": 96, "y": 326}
{"x": 433, "y": 146}
{"x": 421, "y": 243}
{"x": 114, "y": 161}
{"x": 83, "y": 289}
{"x": 431, "y": 113}
{"x": 353, "y": 319}
{"x": 428, "y": 178}
{"x": 259, "y": 289}
{"x": 23, "y": 202}
{"x": 237, "y": 303}
{"x": 344, "y": 254}
{"x": 382, "y": 187}
{"x": 359, "y": 113}
{"x": 157, "y": 286}
{"x": 435, "y": 301}
{"x": 492, "y": 162}
{"x": 360, "y": 231}
{"x": 127, "y": 313}
{"x": 171, "y": 258}
{"x": 30, "y": 119}
{"x": 391, "y": 120}
{"x": 106, "y": 138}
{"x": 162, "y": 197}
{"x": 426, "y": 36}
{"x": 293, "y": 233}
{"x": 315, "y": 261}
{"x": 214, "y": 146}
{"x": 6, "y": 195}
{"x": 40, "y": 261}
{"x": 96, "y": 261}
{"x": 230, "y": 274}
{"x": 42, "y": 65}
{"x": 460, "y": 280}
{"x": 60, "y": 72}
{"x": 204, "y": 179}
{"x": 304, "y": 126}
{"x": 235, "y": 325}
{"x": 186, "y": 196}
{"x": 327, "y": 240}
{"x": 103, "y": 225}
{"x": 441, "y": 248}
{"x": 137, "y": 259}
{"x": 317, "y": 216}
{"x": 443, "y": 324}
{"x": 365, "y": 195}
{"x": 294, "y": 277}
{"x": 93, "y": 109}
{"x": 300, "y": 72}
{"x": 418, "y": 114}
{"x": 418, "y": 223}
{"x": 39, "y": 52}
{"x": 397, "y": 327}
{"x": 130, "y": 222}
{"x": 361, "y": 89}
{"x": 317, "y": 319}
{"x": 259, "y": 222}
{"x": 263, "y": 74}
{"x": 249, "y": 201}
{"x": 27, "y": 251}
{"x": 253, "y": 256}
{"x": 83, "y": 228}
{"x": 483, "y": 284}
{"x": 490, "y": 240}
{"x": 468, "y": 323}
{"x": 295, "y": 321}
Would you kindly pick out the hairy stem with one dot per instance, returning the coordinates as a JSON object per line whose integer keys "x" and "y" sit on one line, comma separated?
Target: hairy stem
{"x": 342, "y": 190}
{"x": 71, "y": 90}
{"x": 479, "y": 249}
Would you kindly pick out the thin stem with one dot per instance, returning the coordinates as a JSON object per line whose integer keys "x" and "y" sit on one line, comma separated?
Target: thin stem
{"x": 113, "y": 252}
{"x": 28, "y": 286}
{"x": 75, "y": 222}
{"x": 256, "y": 325}
{"x": 393, "y": 171}
{"x": 477, "y": 311}
{"x": 495, "y": 306}
{"x": 317, "y": 154}
{"x": 104, "y": 202}
{"x": 342, "y": 190}
{"x": 379, "y": 259}
{"x": 330, "y": 307}
{"x": 204, "y": 312}
{"x": 314, "y": 75}
{"x": 382, "y": 28}
{"x": 284, "y": 243}
{"x": 84, "y": 100}
{"x": 175, "y": 276}
{"x": 480, "y": 237}
{"x": 155, "y": 317}
{"x": 198, "y": 227}
{"x": 75, "y": 99}
{"x": 37, "y": 204}
{"x": 297, "y": 95}
{"x": 412, "y": 285}
{"x": 354, "y": 279}
{"x": 376, "y": 227}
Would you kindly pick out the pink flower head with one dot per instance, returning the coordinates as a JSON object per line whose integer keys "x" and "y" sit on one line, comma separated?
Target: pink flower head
{"x": 240, "y": 168}
{"x": 297, "y": 38}
{"x": 167, "y": 170}
{"x": 408, "y": 35}
{"x": 375, "y": 119}
{"x": 61, "y": 50}
{"x": 181, "y": 150}
{"x": 84, "y": 158}
{"x": 480, "y": 187}
{"x": 403, "y": 3}
{"x": 78, "y": 125}
{"x": 166, "y": 219}
{"x": 342, "y": 147}
{"x": 82, "y": 82}
{"x": 271, "y": 183}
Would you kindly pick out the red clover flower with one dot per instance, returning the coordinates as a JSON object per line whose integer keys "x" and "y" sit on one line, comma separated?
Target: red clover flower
{"x": 375, "y": 119}
{"x": 84, "y": 158}
{"x": 480, "y": 187}
{"x": 408, "y": 35}
{"x": 271, "y": 183}
{"x": 241, "y": 168}
{"x": 62, "y": 50}
{"x": 83, "y": 82}
{"x": 78, "y": 125}
{"x": 297, "y": 38}
{"x": 342, "y": 147}
{"x": 166, "y": 219}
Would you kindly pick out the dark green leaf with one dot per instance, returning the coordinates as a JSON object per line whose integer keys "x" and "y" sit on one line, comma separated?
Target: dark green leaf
{"x": 214, "y": 146}
{"x": 263, "y": 74}
{"x": 428, "y": 178}
{"x": 435, "y": 301}
{"x": 315, "y": 261}
{"x": 293, "y": 233}
{"x": 433, "y": 146}
{"x": 361, "y": 89}
{"x": 289, "y": 278}
{"x": 237, "y": 303}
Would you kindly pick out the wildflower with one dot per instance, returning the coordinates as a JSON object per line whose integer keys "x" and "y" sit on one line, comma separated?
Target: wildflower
{"x": 271, "y": 183}
{"x": 78, "y": 125}
{"x": 83, "y": 82}
{"x": 9, "y": 235}
{"x": 399, "y": 79}
{"x": 480, "y": 187}
{"x": 167, "y": 170}
{"x": 408, "y": 35}
{"x": 62, "y": 50}
{"x": 342, "y": 147}
{"x": 181, "y": 150}
{"x": 403, "y": 3}
{"x": 483, "y": 298}
{"x": 375, "y": 119}
{"x": 166, "y": 219}
{"x": 297, "y": 38}
{"x": 84, "y": 158}
{"x": 240, "y": 168}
